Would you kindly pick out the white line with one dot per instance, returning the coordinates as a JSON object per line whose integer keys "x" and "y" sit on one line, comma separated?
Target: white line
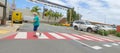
{"x": 115, "y": 44}
{"x": 82, "y": 37}
{"x": 21, "y": 35}
{"x": 57, "y": 36}
{"x": 42, "y": 36}
{"x": 118, "y": 42}
{"x": 93, "y": 38}
{"x": 67, "y": 35}
{"x": 93, "y": 47}
{"x": 107, "y": 39}
{"x": 97, "y": 47}
{"x": 106, "y": 45}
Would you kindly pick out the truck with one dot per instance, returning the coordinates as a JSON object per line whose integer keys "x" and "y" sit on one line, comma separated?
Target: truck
{"x": 17, "y": 17}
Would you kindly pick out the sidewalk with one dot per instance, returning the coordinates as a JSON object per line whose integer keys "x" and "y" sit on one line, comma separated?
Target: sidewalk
{"x": 8, "y": 29}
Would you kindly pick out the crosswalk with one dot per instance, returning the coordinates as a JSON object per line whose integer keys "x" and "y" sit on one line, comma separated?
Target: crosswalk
{"x": 57, "y": 36}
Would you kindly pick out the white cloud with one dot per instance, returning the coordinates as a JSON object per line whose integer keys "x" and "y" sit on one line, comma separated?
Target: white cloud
{"x": 98, "y": 11}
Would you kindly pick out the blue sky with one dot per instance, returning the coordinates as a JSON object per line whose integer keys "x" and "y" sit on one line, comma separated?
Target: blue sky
{"x": 93, "y": 10}
{"x": 24, "y": 3}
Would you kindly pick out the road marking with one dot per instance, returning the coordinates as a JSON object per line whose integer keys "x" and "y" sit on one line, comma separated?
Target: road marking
{"x": 118, "y": 42}
{"x": 56, "y": 36}
{"x": 107, "y": 39}
{"x": 115, "y": 44}
{"x": 72, "y": 37}
{"x": 93, "y": 47}
{"x": 106, "y": 45}
{"x": 93, "y": 38}
{"x": 21, "y": 35}
{"x": 42, "y": 36}
{"x": 4, "y": 31}
{"x": 82, "y": 37}
{"x": 97, "y": 47}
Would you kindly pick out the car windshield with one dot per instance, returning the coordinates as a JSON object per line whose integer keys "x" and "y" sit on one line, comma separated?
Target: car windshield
{"x": 88, "y": 23}
{"x": 105, "y": 26}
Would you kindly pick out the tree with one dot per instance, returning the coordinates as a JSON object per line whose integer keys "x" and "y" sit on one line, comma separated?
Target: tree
{"x": 49, "y": 14}
{"x": 68, "y": 15}
{"x": 74, "y": 15}
{"x": 57, "y": 15}
{"x": 35, "y": 9}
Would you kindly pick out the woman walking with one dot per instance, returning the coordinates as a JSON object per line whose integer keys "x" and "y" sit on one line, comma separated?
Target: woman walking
{"x": 36, "y": 24}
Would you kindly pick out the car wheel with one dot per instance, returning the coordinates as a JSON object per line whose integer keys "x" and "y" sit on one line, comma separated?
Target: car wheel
{"x": 76, "y": 28}
{"x": 20, "y": 22}
{"x": 89, "y": 30}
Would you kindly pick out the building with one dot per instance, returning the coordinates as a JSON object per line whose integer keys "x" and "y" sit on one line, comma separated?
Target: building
{"x": 2, "y": 4}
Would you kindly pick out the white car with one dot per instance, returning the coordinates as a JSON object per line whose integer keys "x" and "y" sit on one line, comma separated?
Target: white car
{"x": 105, "y": 27}
{"x": 84, "y": 25}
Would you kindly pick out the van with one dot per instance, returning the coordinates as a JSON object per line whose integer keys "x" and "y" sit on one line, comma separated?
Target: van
{"x": 17, "y": 17}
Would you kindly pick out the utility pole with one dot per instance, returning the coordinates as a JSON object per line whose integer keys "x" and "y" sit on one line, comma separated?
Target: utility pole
{"x": 13, "y": 9}
{"x": 3, "y": 21}
{"x": 43, "y": 11}
{"x": 70, "y": 15}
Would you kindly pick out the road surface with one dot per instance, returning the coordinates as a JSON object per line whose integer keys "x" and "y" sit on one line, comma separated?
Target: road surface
{"x": 56, "y": 39}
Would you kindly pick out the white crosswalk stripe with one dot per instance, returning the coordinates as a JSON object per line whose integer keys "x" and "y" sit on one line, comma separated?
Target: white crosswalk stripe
{"x": 21, "y": 35}
{"x": 43, "y": 36}
{"x": 70, "y": 36}
{"x": 82, "y": 37}
{"x": 93, "y": 38}
{"x": 57, "y": 36}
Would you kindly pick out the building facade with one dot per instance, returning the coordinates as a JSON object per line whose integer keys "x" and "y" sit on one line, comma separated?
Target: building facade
{"x": 1, "y": 9}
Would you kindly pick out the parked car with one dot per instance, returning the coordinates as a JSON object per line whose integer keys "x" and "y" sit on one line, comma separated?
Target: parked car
{"x": 105, "y": 27}
{"x": 83, "y": 25}
{"x": 114, "y": 27}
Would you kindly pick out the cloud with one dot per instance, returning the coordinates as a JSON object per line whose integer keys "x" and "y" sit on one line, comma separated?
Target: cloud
{"x": 98, "y": 10}
{"x": 95, "y": 10}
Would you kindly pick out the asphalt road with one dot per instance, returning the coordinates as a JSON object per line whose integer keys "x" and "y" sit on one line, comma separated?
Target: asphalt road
{"x": 56, "y": 46}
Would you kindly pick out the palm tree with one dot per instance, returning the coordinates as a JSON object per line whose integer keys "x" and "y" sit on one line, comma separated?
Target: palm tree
{"x": 35, "y": 9}
{"x": 49, "y": 13}
{"x": 57, "y": 15}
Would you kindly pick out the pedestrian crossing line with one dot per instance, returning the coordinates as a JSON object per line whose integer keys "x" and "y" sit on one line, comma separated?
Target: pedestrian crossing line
{"x": 21, "y": 35}
{"x": 67, "y": 35}
{"x": 57, "y": 36}
{"x": 43, "y": 36}
{"x": 78, "y": 37}
{"x": 107, "y": 40}
{"x": 49, "y": 35}
{"x": 67, "y": 38}
{"x": 30, "y": 36}
{"x": 81, "y": 37}
{"x": 97, "y": 39}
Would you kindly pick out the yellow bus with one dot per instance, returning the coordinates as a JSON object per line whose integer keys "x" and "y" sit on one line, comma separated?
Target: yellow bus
{"x": 17, "y": 17}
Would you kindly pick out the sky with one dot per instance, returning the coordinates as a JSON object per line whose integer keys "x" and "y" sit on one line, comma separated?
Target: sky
{"x": 104, "y": 11}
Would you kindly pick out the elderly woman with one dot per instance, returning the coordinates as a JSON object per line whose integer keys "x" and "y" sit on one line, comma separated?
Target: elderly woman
{"x": 36, "y": 24}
